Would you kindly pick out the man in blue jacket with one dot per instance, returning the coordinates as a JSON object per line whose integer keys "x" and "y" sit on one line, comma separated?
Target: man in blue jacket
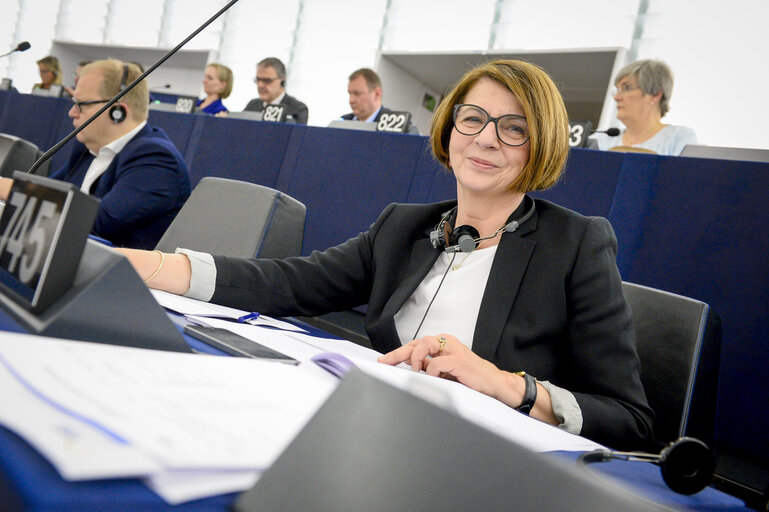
{"x": 133, "y": 167}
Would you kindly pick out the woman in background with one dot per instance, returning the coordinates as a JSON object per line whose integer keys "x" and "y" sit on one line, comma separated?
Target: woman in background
{"x": 642, "y": 92}
{"x": 217, "y": 84}
{"x": 50, "y": 73}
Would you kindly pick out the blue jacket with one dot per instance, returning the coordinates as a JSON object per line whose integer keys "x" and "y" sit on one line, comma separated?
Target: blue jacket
{"x": 213, "y": 108}
{"x": 141, "y": 191}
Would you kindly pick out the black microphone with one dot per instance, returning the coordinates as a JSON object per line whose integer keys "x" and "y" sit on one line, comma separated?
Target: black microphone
{"x": 21, "y": 47}
{"x": 687, "y": 464}
{"x": 48, "y": 154}
{"x": 611, "y": 132}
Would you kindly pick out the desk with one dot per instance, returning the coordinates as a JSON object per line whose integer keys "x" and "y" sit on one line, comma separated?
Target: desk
{"x": 29, "y": 482}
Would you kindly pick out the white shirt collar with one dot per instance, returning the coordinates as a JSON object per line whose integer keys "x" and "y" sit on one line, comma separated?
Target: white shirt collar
{"x": 105, "y": 156}
{"x": 117, "y": 145}
{"x": 277, "y": 100}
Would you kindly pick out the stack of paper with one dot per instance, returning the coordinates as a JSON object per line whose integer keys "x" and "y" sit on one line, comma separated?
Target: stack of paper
{"x": 193, "y": 425}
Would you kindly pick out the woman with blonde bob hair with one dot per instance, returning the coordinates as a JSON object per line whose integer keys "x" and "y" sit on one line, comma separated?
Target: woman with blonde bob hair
{"x": 513, "y": 297}
{"x": 50, "y": 72}
{"x": 217, "y": 84}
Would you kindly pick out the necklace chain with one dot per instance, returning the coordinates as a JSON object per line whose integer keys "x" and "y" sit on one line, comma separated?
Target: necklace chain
{"x": 456, "y": 267}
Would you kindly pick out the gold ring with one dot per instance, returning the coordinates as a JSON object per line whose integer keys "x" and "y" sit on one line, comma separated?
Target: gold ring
{"x": 443, "y": 343}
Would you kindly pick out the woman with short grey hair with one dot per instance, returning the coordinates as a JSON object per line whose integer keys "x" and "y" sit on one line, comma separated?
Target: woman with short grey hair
{"x": 642, "y": 91}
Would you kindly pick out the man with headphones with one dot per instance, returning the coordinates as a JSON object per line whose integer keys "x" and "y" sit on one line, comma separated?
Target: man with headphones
{"x": 365, "y": 91}
{"x": 271, "y": 84}
{"x": 133, "y": 167}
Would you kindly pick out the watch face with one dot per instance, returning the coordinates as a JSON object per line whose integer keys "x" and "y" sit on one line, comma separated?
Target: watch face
{"x": 28, "y": 230}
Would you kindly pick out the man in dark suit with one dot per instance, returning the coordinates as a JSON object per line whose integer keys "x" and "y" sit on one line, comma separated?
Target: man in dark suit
{"x": 271, "y": 84}
{"x": 133, "y": 167}
{"x": 365, "y": 90}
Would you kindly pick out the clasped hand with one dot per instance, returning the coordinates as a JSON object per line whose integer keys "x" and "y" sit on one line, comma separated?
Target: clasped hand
{"x": 445, "y": 356}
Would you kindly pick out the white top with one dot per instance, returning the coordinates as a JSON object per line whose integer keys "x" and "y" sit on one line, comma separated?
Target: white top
{"x": 462, "y": 290}
{"x": 670, "y": 140}
{"x": 105, "y": 156}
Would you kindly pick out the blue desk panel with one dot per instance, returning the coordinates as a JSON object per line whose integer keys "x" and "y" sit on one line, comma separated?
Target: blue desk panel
{"x": 346, "y": 178}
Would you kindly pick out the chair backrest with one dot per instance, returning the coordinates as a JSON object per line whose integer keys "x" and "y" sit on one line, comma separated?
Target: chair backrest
{"x": 17, "y": 154}
{"x": 679, "y": 341}
{"x": 725, "y": 153}
{"x": 239, "y": 219}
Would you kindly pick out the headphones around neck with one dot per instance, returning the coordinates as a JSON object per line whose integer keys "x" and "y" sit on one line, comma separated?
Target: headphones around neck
{"x": 686, "y": 464}
{"x": 118, "y": 112}
{"x": 466, "y": 238}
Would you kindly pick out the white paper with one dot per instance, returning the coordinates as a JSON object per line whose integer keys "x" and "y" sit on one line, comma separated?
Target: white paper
{"x": 185, "y": 411}
{"x": 179, "y": 486}
{"x": 196, "y": 308}
{"x": 481, "y": 409}
{"x": 78, "y": 451}
{"x": 283, "y": 341}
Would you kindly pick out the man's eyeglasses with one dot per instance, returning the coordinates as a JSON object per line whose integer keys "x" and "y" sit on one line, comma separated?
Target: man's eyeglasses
{"x": 80, "y": 104}
{"x": 625, "y": 88}
{"x": 512, "y": 130}
{"x": 266, "y": 81}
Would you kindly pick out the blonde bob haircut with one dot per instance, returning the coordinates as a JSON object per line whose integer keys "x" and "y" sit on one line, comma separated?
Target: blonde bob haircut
{"x": 544, "y": 110}
{"x": 224, "y": 74}
{"x": 111, "y": 71}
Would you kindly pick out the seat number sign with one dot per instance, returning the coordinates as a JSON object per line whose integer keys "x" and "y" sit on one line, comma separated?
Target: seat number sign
{"x": 28, "y": 226}
{"x": 273, "y": 113}
{"x": 394, "y": 122}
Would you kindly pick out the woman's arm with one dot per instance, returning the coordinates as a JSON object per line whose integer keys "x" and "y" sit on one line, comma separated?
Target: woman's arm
{"x": 161, "y": 271}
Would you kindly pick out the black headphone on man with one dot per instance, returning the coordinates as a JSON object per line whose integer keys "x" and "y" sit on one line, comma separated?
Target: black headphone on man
{"x": 118, "y": 112}
{"x": 466, "y": 238}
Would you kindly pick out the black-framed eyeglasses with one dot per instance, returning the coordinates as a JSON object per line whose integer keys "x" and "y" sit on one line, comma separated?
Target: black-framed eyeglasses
{"x": 80, "y": 104}
{"x": 266, "y": 81}
{"x": 512, "y": 130}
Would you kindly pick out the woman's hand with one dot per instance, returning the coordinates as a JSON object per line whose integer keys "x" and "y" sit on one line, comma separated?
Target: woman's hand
{"x": 445, "y": 356}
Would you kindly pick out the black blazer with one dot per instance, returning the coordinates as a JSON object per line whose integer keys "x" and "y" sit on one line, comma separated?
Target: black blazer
{"x": 294, "y": 108}
{"x": 553, "y": 304}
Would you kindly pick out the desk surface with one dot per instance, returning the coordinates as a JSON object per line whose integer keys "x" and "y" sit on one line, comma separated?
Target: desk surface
{"x": 24, "y": 472}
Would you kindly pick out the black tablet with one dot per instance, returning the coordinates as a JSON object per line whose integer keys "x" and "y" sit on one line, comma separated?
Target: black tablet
{"x": 235, "y": 344}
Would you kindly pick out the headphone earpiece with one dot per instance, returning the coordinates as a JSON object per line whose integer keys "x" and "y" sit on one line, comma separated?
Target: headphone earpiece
{"x": 118, "y": 112}
{"x": 283, "y": 83}
{"x": 464, "y": 239}
{"x": 686, "y": 464}
{"x": 467, "y": 238}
